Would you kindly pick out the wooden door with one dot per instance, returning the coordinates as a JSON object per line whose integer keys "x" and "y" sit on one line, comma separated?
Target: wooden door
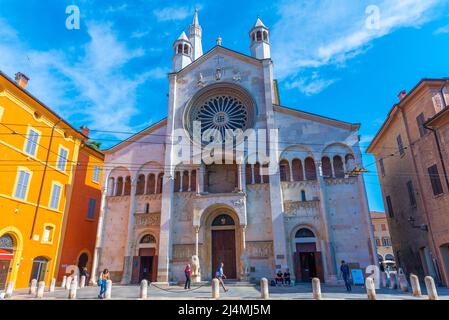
{"x": 297, "y": 264}
{"x": 135, "y": 270}
{"x": 223, "y": 250}
{"x": 4, "y": 270}
{"x": 319, "y": 266}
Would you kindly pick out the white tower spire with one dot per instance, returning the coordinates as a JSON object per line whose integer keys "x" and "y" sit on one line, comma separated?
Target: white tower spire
{"x": 260, "y": 41}
{"x": 182, "y": 55}
{"x": 195, "y": 33}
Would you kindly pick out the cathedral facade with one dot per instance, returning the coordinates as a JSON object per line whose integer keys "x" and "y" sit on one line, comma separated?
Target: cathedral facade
{"x": 292, "y": 201}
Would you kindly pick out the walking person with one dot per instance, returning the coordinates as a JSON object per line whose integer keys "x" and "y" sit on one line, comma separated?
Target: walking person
{"x": 102, "y": 282}
{"x": 220, "y": 275}
{"x": 187, "y": 272}
{"x": 345, "y": 275}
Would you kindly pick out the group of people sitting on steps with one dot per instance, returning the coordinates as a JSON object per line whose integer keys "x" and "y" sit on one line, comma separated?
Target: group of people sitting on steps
{"x": 283, "y": 278}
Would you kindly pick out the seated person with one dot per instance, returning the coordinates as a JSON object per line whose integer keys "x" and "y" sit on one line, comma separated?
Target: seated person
{"x": 287, "y": 277}
{"x": 279, "y": 277}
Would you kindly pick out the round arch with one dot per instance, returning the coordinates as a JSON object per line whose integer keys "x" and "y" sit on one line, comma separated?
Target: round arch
{"x": 17, "y": 238}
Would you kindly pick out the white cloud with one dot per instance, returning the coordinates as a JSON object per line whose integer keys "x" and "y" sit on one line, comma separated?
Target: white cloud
{"x": 316, "y": 34}
{"x": 443, "y": 29}
{"x": 94, "y": 86}
{"x": 310, "y": 85}
{"x": 172, "y": 13}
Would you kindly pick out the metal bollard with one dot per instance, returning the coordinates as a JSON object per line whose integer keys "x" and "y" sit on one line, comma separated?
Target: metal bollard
{"x": 316, "y": 288}
{"x": 82, "y": 281}
{"x": 416, "y": 287}
{"x": 9, "y": 289}
{"x": 108, "y": 292}
{"x": 68, "y": 283}
{"x": 64, "y": 281}
{"x": 52, "y": 285}
{"x": 143, "y": 289}
{"x": 431, "y": 289}
{"x": 264, "y": 294}
{"x": 40, "y": 290}
{"x": 215, "y": 289}
{"x": 33, "y": 288}
{"x": 370, "y": 288}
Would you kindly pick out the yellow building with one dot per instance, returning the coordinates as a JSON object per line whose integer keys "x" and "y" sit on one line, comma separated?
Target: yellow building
{"x": 38, "y": 153}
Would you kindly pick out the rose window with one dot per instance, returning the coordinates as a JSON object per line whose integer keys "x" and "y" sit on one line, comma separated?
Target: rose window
{"x": 222, "y": 113}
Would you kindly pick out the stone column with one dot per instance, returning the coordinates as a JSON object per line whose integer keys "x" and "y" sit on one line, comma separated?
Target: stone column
{"x": 127, "y": 264}
{"x": 290, "y": 166}
{"x": 181, "y": 178}
{"x": 332, "y": 167}
{"x": 243, "y": 238}
{"x": 252, "y": 174}
{"x": 200, "y": 178}
{"x": 156, "y": 181}
{"x": 197, "y": 231}
{"x": 303, "y": 170}
{"x": 190, "y": 181}
{"x": 99, "y": 237}
{"x": 239, "y": 180}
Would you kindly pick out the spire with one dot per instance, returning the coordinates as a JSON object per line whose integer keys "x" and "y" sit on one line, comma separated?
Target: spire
{"x": 259, "y": 23}
{"x": 183, "y": 36}
{"x": 195, "y": 34}
{"x": 260, "y": 42}
{"x": 195, "y": 21}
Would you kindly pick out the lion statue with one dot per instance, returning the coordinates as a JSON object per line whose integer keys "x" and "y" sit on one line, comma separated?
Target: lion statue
{"x": 195, "y": 266}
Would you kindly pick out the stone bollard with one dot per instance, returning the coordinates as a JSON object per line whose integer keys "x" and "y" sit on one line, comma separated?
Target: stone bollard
{"x": 431, "y": 289}
{"x": 316, "y": 288}
{"x": 68, "y": 283}
{"x": 108, "y": 292}
{"x": 33, "y": 289}
{"x": 383, "y": 279}
{"x": 52, "y": 285}
{"x": 82, "y": 281}
{"x": 72, "y": 290}
{"x": 416, "y": 288}
{"x": 370, "y": 288}
{"x": 402, "y": 279}
{"x": 9, "y": 289}
{"x": 215, "y": 289}
{"x": 64, "y": 281}
{"x": 143, "y": 289}
{"x": 393, "y": 281}
{"x": 40, "y": 290}
{"x": 264, "y": 294}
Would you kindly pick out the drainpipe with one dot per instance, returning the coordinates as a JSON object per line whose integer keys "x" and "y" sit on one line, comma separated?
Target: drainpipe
{"x": 43, "y": 178}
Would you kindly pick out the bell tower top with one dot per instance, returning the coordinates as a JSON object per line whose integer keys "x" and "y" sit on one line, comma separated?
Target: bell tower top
{"x": 260, "y": 42}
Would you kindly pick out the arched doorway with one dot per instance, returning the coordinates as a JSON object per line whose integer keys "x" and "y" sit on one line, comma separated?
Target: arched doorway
{"x": 6, "y": 258}
{"x": 39, "y": 269}
{"x": 308, "y": 261}
{"x": 82, "y": 261}
{"x": 223, "y": 245}
{"x": 145, "y": 264}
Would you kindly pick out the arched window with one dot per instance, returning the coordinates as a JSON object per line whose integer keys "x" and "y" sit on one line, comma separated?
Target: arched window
{"x": 111, "y": 186}
{"x": 179, "y": 48}
{"x": 380, "y": 258}
{"x": 265, "y": 177}
{"x": 265, "y": 36}
{"x": 39, "y": 269}
{"x": 186, "y": 49}
{"x": 185, "y": 181}
{"x": 326, "y": 167}
{"x": 119, "y": 188}
{"x": 193, "y": 180}
{"x": 338, "y": 167}
{"x": 310, "y": 169}
{"x": 177, "y": 182}
{"x": 127, "y": 190}
{"x": 148, "y": 238}
{"x": 147, "y": 208}
{"x": 254, "y": 36}
{"x": 284, "y": 170}
{"x": 140, "y": 187}
{"x": 82, "y": 261}
{"x": 303, "y": 195}
{"x": 248, "y": 173}
{"x": 259, "y": 35}
{"x": 350, "y": 162}
{"x": 297, "y": 170}
{"x": 389, "y": 257}
{"x": 257, "y": 178}
{"x": 151, "y": 184}
{"x": 304, "y": 233}
{"x": 6, "y": 243}
{"x": 223, "y": 220}
{"x": 160, "y": 182}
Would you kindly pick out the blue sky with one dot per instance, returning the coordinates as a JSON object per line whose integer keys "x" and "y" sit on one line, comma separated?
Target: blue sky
{"x": 111, "y": 73}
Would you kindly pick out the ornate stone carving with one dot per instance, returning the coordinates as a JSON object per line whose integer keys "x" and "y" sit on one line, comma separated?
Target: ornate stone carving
{"x": 200, "y": 83}
{"x": 336, "y": 181}
{"x": 183, "y": 252}
{"x": 151, "y": 219}
{"x": 301, "y": 208}
{"x": 195, "y": 266}
{"x": 259, "y": 249}
{"x": 238, "y": 203}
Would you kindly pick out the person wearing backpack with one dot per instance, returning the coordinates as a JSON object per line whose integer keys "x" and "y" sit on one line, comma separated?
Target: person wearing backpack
{"x": 102, "y": 282}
